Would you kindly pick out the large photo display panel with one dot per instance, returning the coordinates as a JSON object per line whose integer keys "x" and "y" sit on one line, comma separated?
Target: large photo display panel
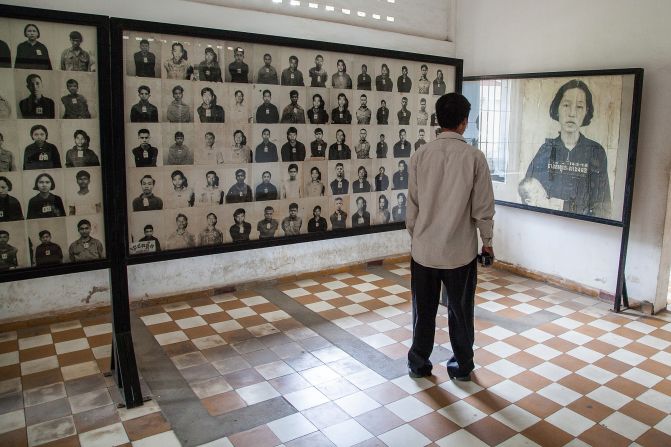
{"x": 50, "y": 160}
{"x": 558, "y": 144}
{"x": 233, "y": 141}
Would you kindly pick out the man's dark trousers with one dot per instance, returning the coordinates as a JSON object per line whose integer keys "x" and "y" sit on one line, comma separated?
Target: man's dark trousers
{"x": 460, "y": 287}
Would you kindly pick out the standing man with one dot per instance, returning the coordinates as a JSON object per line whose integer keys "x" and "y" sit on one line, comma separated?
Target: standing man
{"x": 450, "y": 196}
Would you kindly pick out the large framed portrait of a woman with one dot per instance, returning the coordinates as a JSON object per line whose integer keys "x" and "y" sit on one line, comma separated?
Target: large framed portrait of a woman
{"x": 560, "y": 143}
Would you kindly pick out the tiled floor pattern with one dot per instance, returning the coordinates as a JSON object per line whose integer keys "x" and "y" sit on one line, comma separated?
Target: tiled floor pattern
{"x": 53, "y": 392}
{"x": 582, "y": 376}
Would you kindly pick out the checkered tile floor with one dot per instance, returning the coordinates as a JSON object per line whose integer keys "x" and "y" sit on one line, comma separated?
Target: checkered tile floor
{"x": 583, "y": 376}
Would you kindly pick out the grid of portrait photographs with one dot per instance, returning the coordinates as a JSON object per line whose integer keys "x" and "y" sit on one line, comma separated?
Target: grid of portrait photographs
{"x": 230, "y": 141}
{"x": 50, "y": 175}
{"x": 561, "y": 144}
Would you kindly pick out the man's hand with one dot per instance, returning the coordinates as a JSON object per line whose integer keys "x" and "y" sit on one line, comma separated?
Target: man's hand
{"x": 488, "y": 250}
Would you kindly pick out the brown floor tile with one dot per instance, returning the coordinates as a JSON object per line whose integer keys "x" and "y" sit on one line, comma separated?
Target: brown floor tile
{"x": 183, "y": 347}
{"x": 399, "y": 334}
{"x": 346, "y": 291}
{"x": 162, "y": 328}
{"x": 395, "y": 351}
{"x": 485, "y": 378}
{"x": 520, "y": 342}
{"x": 531, "y": 380}
{"x": 223, "y": 403}
{"x": 243, "y": 378}
{"x": 316, "y": 289}
{"x": 601, "y": 347}
{"x": 641, "y": 349}
{"x": 379, "y": 421}
{"x": 664, "y": 335}
{"x": 100, "y": 340}
{"x": 484, "y": 340}
{"x": 9, "y": 346}
{"x": 547, "y": 435}
{"x": 239, "y": 335}
{"x": 72, "y": 334}
{"x": 37, "y": 353}
{"x": 627, "y": 387}
{"x": 264, "y": 308}
{"x": 655, "y": 367}
{"x": 307, "y": 299}
{"x": 333, "y": 314}
{"x": 568, "y": 362}
{"x": 559, "y": 344}
{"x": 481, "y": 325}
{"x": 41, "y": 378}
{"x": 552, "y": 328}
{"x": 71, "y": 441}
{"x": 525, "y": 360}
{"x": 72, "y": 358}
{"x": 599, "y": 435}
{"x": 538, "y": 405}
{"x": 579, "y": 383}
{"x": 581, "y": 317}
{"x": 591, "y": 409}
{"x": 200, "y": 302}
{"x": 216, "y": 317}
{"x": 628, "y": 333}
{"x": 374, "y": 304}
{"x": 352, "y": 281}
{"x": 491, "y": 431}
{"x": 369, "y": 317}
{"x": 253, "y": 320}
{"x": 260, "y": 436}
{"x": 642, "y": 412}
{"x": 663, "y": 387}
{"x": 9, "y": 372}
{"x": 149, "y": 310}
{"x": 487, "y": 402}
{"x": 590, "y": 331}
{"x": 183, "y": 313}
{"x": 104, "y": 364}
{"x": 145, "y": 426}
{"x": 434, "y": 426}
{"x": 378, "y": 293}
{"x": 612, "y": 365}
{"x": 200, "y": 331}
{"x": 289, "y": 383}
{"x": 15, "y": 438}
{"x": 436, "y": 397}
{"x": 94, "y": 321}
{"x": 386, "y": 393}
{"x": 654, "y": 438}
{"x": 96, "y": 418}
{"x": 232, "y": 304}
{"x": 33, "y": 331}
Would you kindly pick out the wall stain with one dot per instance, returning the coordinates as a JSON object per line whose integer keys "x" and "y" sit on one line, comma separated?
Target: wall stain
{"x": 95, "y": 289}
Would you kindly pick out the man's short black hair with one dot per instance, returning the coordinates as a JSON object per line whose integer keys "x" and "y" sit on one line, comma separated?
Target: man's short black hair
{"x": 43, "y": 232}
{"x": 83, "y": 222}
{"x": 149, "y": 227}
{"x": 451, "y": 110}
{"x": 76, "y": 35}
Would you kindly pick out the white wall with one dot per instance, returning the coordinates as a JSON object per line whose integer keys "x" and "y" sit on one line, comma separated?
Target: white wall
{"x": 35, "y": 296}
{"x": 518, "y": 36}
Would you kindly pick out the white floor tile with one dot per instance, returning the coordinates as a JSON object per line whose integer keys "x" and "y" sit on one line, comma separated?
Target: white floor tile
{"x": 462, "y": 413}
{"x": 504, "y": 368}
{"x": 570, "y": 421}
{"x": 291, "y": 427}
{"x": 585, "y": 354}
{"x": 412, "y": 386}
{"x": 497, "y": 332}
{"x": 642, "y": 377}
{"x": 550, "y": 371}
{"x": 609, "y": 397}
{"x": 516, "y": 418}
{"x": 460, "y": 438}
{"x": 357, "y": 404}
{"x": 256, "y": 393}
{"x": 165, "y": 439}
{"x": 109, "y": 436}
{"x": 306, "y": 398}
{"x": 596, "y": 374}
{"x": 543, "y": 352}
{"x": 624, "y": 425}
{"x": 34, "y": 342}
{"x": 12, "y": 421}
{"x": 409, "y": 408}
{"x": 347, "y": 434}
{"x": 404, "y": 436}
{"x": 559, "y": 394}
{"x": 510, "y": 391}
{"x": 536, "y": 335}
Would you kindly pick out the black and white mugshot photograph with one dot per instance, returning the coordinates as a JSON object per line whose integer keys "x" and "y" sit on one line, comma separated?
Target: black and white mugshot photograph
{"x": 291, "y": 218}
{"x": 267, "y": 222}
{"x": 208, "y": 100}
{"x": 78, "y": 96}
{"x": 177, "y": 100}
{"x": 207, "y": 60}
{"x": 143, "y": 55}
{"x": 36, "y": 45}
{"x": 9, "y": 147}
{"x": 142, "y": 98}
{"x": 78, "y": 48}
{"x": 362, "y": 177}
{"x": 338, "y": 215}
{"x": 239, "y": 101}
{"x": 340, "y": 148}
{"x": 238, "y": 56}
{"x": 399, "y": 202}
{"x": 41, "y": 144}
{"x": 359, "y": 210}
{"x": 180, "y": 192}
{"x": 319, "y": 137}
{"x": 146, "y": 189}
{"x": 266, "y": 110}
{"x": 361, "y": 146}
{"x": 11, "y": 196}
{"x": 381, "y": 214}
{"x": 208, "y": 190}
{"x": 44, "y": 194}
{"x": 364, "y": 102}
{"x": 47, "y": 242}
{"x": 146, "y": 232}
{"x": 266, "y": 65}
{"x": 143, "y": 141}
{"x": 85, "y": 238}
{"x": 315, "y": 215}
{"x": 320, "y": 68}
{"x": 341, "y": 113}
{"x": 237, "y": 183}
{"x": 318, "y": 109}
{"x": 8, "y": 108}
{"x": 83, "y": 191}
{"x": 181, "y": 228}
{"x": 292, "y": 105}
{"x": 178, "y": 141}
{"x": 267, "y": 180}
{"x": 81, "y": 143}
{"x": 238, "y": 222}
{"x": 14, "y": 251}
{"x": 382, "y": 109}
{"x": 315, "y": 178}
{"x": 339, "y": 177}
{"x": 35, "y": 92}
{"x": 177, "y": 58}
{"x": 208, "y": 145}
{"x": 292, "y": 66}
{"x": 292, "y": 181}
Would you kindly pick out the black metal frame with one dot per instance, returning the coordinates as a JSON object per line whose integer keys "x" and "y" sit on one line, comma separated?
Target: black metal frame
{"x": 621, "y": 296}
{"x": 121, "y": 25}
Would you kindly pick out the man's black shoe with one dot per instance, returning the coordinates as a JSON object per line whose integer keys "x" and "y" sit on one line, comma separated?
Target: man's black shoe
{"x": 416, "y": 375}
{"x": 464, "y": 378}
